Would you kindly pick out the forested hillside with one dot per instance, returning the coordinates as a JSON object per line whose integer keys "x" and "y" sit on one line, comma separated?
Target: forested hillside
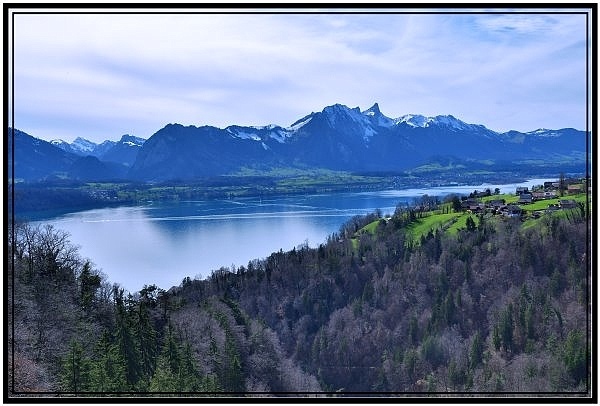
{"x": 490, "y": 309}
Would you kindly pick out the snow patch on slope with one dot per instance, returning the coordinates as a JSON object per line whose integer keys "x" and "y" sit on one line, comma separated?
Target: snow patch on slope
{"x": 300, "y": 123}
{"x": 544, "y": 132}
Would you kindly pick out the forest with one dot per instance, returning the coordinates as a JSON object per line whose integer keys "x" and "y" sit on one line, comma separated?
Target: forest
{"x": 495, "y": 309}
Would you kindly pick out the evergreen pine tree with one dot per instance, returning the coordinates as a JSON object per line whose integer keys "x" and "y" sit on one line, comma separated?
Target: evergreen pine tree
{"x": 476, "y": 353}
{"x": 575, "y": 355}
{"x": 108, "y": 367}
{"x": 146, "y": 338}
{"x": 89, "y": 283}
{"x": 188, "y": 376}
{"x": 506, "y": 328}
{"x": 126, "y": 342}
{"x": 75, "y": 374}
{"x": 163, "y": 380}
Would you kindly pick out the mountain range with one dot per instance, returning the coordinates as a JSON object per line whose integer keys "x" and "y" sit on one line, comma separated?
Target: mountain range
{"x": 336, "y": 138}
{"x": 123, "y": 151}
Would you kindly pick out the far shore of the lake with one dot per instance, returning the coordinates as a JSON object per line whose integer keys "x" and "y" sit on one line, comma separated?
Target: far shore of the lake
{"x": 33, "y": 202}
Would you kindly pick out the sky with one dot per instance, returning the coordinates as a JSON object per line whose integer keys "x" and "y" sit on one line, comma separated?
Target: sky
{"x": 100, "y": 76}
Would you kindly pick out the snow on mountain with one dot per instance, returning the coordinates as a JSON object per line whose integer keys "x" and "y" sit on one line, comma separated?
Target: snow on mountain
{"x": 83, "y": 145}
{"x": 371, "y": 121}
{"x": 58, "y": 143}
{"x": 259, "y": 133}
{"x": 337, "y": 138}
{"x": 132, "y": 141}
{"x": 264, "y": 127}
{"x": 543, "y": 132}
{"x": 414, "y": 120}
{"x": 72, "y": 148}
{"x": 121, "y": 152}
{"x": 300, "y": 123}
{"x": 448, "y": 121}
{"x": 375, "y": 114}
{"x": 336, "y": 116}
{"x": 538, "y": 131}
{"x": 275, "y": 132}
{"x": 243, "y": 134}
{"x": 280, "y": 135}
{"x": 339, "y": 113}
{"x": 373, "y": 111}
{"x": 367, "y": 122}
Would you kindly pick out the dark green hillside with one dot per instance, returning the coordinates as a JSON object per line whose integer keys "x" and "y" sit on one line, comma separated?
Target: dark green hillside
{"x": 489, "y": 308}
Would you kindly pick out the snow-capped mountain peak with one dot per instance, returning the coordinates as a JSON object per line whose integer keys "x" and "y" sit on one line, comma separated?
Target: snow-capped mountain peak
{"x": 414, "y": 120}
{"x": 58, "y": 142}
{"x": 80, "y": 146}
{"x": 543, "y": 132}
{"x": 353, "y": 120}
{"x": 339, "y": 112}
{"x": 379, "y": 119}
{"x": 373, "y": 111}
{"x": 132, "y": 140}
{"x": 418, "y": 120}
{"x": 83, "y": 145}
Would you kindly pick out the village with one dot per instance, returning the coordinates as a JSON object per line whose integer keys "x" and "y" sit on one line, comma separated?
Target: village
{"x": 559, "y": 194}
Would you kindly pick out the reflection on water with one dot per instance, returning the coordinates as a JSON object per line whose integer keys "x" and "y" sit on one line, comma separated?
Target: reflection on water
{"x": 162, "y": 243}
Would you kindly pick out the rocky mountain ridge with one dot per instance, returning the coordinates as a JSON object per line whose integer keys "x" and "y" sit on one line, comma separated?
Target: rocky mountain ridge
{"x": 337, "y": 138}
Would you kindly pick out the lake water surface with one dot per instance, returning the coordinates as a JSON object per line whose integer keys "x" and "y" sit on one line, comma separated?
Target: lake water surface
{"x": 162, "y": 243}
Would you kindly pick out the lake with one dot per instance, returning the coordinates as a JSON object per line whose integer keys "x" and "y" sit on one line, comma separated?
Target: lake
{"x": 161, "y": 243}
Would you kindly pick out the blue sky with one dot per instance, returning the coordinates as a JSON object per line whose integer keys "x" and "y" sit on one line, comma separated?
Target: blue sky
{"x": 100, "y": 76}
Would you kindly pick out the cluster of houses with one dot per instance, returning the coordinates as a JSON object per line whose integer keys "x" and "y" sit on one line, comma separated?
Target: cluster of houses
{"x": 548, "y": 191}
{"x": 102, "y": 194}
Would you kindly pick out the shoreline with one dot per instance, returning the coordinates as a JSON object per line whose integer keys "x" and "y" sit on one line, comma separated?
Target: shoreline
{"x": 384, "y": 189}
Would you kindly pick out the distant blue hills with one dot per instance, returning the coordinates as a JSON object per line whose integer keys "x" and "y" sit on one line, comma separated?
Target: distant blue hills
{"x": 336, "y": 138}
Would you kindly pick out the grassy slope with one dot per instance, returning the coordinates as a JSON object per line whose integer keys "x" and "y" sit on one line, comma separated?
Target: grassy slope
{"x": 432, "y": 222}
{"x": 453, "y": 222}
{"x": 461, "y": 223}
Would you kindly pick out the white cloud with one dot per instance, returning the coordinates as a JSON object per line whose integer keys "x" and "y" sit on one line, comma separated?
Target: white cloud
{"x": 143, "y": 71}
{"x": 527, "y": 24}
